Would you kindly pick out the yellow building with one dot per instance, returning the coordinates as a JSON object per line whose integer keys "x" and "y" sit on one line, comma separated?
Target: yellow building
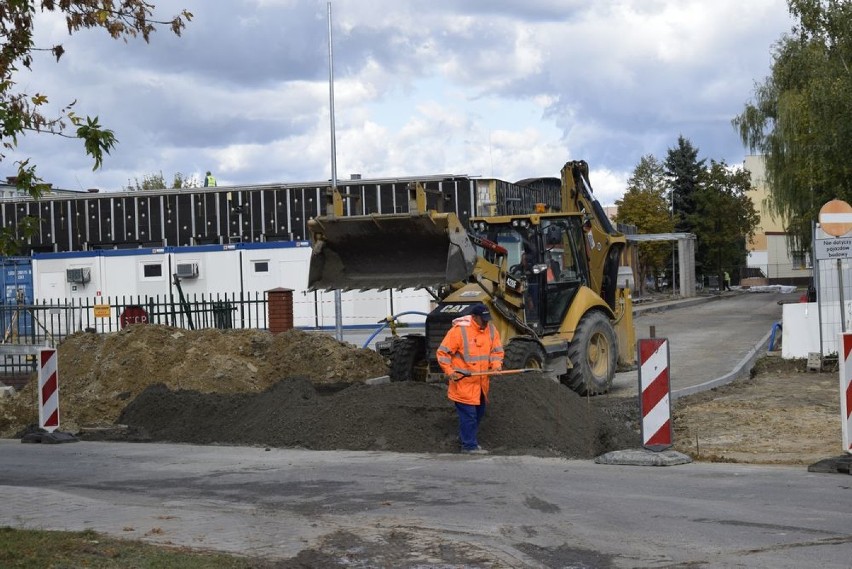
{"x": 769, "y": 250}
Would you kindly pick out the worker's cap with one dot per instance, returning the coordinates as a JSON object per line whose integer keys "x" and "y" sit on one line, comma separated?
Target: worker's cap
{"x": 480, "y": 310}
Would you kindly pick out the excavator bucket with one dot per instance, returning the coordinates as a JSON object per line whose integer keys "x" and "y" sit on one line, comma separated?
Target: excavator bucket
{"x": 389, "y": 251}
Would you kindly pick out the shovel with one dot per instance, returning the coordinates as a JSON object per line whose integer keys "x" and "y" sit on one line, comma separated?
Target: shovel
{"x": 503, "y": 372}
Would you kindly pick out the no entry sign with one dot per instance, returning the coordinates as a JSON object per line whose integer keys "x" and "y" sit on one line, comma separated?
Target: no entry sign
{"x": 835, "y": 218}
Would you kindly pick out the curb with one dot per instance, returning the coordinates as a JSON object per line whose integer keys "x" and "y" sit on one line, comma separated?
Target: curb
{"x": 672, "y": 304}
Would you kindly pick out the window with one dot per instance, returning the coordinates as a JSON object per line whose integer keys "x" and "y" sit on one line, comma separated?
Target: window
{"x": 152, "y": 270}
{"x": 801, "y": 260}
{"x": 261, "y": 266}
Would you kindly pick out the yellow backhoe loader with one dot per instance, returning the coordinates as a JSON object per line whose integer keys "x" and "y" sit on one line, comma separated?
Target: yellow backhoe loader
{"x": 549, "y": 278}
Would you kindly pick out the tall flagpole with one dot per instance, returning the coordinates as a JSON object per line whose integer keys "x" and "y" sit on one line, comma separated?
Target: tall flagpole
{"x": 338, "y": 302}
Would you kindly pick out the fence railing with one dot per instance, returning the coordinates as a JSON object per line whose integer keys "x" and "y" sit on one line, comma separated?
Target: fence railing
{"x": 49, "y": 322}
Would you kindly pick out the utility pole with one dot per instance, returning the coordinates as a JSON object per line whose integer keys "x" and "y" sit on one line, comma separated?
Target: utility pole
{"x": 338, "y": 301}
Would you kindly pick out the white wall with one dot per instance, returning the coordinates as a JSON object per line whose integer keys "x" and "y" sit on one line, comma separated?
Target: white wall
{"x": 117, "y": 275}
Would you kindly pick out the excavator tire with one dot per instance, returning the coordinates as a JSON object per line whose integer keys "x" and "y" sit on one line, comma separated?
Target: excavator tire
{"x": 408, "y": 359}
{"x": 594, "y": 355}
{"x": 519, "y": 354}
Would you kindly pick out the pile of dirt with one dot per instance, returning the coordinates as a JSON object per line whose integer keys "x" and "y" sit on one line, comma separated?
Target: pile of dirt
{"x": 99, "y": 374}
{"x": 296, "y": 389}
{"x": 528, "y": 415}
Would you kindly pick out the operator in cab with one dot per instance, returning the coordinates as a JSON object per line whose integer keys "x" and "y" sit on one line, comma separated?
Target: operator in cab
{"x": 471, "y": 348}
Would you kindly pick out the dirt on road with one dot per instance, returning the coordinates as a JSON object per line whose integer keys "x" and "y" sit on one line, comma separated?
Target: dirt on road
{"x": 307, "y": 390}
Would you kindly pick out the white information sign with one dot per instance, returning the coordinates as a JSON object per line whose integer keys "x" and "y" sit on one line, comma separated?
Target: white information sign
{"x": 839, "y": 248}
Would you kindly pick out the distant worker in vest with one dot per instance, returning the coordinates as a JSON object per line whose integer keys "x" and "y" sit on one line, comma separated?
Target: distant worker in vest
{"x": 727, "y": 281}
{"x": 470, "y": 349}
{"x": 209, "y": 180}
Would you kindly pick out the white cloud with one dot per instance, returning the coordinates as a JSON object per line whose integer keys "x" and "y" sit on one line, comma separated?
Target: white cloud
{"x": 492, "y": 88}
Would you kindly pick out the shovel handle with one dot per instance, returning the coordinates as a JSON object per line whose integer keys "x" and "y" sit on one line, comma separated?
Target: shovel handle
{"x": 503, "y": 372}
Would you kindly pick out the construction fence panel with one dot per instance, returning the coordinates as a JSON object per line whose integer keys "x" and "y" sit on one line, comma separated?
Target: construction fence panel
{"x": 833, "y": 283}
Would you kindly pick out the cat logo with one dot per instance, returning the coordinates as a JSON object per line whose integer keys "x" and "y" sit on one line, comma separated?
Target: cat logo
{"x": 454, "y": 308}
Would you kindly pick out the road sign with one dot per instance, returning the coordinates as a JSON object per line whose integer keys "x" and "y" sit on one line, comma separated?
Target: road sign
{"x": 835, "y": 218}
{"x": 837, "y": 248}
{"x": 133, "y": 315}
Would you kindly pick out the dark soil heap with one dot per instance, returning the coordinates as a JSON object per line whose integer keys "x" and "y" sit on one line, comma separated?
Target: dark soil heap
{"x": 528, "y": 415}
{"x": 297, "y": 389}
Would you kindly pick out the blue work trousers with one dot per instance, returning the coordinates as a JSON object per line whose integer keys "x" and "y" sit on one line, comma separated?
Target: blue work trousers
{"x": 469, "y": 418}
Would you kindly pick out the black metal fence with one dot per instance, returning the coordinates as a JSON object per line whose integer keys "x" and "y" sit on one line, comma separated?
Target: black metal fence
{"x": 49, "y": 322}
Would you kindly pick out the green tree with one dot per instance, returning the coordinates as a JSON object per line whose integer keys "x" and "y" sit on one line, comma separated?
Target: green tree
{"x": 158, "y": 182}
{"x": 683, "y": 168}
{"x": 800, "y": 116}
{"x": 23, "y": 113}
{"x": 724, "y": 219}
{"x": 644, "y": 205}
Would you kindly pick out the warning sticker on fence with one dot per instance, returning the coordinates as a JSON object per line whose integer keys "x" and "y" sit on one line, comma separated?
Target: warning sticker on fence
{"x": 103, "y": 311}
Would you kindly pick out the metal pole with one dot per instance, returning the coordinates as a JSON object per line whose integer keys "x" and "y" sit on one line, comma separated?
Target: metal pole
{"x": 842, "y": 303}
{"x": 338, "y": 302}
{"x": 673, "y": 246}
{"x": 817, "y": 284}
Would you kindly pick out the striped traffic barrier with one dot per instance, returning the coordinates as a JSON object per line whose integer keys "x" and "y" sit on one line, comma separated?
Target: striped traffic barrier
{"x": 846, "y": 390}
{"x": 655, "y": 394}
{"x": 48, "y": 390}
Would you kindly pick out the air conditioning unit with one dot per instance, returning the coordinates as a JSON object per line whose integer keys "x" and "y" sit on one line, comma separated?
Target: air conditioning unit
{"x": 187, "y": 270}
{"x": 81, "y": 276}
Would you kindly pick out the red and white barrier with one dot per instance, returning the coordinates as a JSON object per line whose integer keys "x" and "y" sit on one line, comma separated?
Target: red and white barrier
{"x": 655, "y": 394}
{"x": 48, "y": 390}
{"x": 846, "y": 390}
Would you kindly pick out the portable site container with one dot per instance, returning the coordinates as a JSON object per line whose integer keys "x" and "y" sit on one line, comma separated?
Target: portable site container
{"x": 230, "y": 280}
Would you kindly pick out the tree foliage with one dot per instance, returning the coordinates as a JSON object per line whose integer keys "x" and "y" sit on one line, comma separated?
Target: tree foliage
{"x": 644, "y": 205}
{"x": 714, "y": 205}
{"x": 724, "y": 219}
{"x": 158, "y": 182}
{"x": 683, "y": 168}
{"x": 800, "y": 117}
{"x": 23, "y": 113}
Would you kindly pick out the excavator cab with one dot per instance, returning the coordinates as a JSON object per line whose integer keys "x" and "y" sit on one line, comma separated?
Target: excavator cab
{"x": 546, "y": 263}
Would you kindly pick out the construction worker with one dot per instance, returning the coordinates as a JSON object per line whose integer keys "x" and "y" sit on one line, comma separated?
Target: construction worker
{"x": 209, "y": 180}
{"x": 472, "y": 346}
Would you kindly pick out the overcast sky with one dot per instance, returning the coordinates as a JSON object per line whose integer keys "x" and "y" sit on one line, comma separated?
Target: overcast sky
{"x": 496, "y": 88}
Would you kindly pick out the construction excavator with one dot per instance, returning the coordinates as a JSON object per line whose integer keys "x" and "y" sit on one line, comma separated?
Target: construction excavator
{"x": 550, "y": 279}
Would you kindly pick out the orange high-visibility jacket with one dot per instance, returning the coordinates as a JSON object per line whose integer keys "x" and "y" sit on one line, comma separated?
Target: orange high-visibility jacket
{"x": 467, "y": 348}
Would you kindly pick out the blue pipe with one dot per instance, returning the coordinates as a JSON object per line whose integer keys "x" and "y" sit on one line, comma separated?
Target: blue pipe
{"x": 386, "y": 321}
{"x": 775, "y": 327}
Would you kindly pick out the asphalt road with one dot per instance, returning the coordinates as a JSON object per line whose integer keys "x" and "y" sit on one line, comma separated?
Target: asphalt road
{"x": 371, "y": 509}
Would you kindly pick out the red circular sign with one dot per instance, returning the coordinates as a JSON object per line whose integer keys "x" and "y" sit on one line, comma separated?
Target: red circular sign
{"x": 835, "y": 218}
{"x": 133, "y": 315}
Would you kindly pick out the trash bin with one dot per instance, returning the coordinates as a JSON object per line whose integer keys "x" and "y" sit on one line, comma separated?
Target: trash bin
{"x": 222, "y": 317}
